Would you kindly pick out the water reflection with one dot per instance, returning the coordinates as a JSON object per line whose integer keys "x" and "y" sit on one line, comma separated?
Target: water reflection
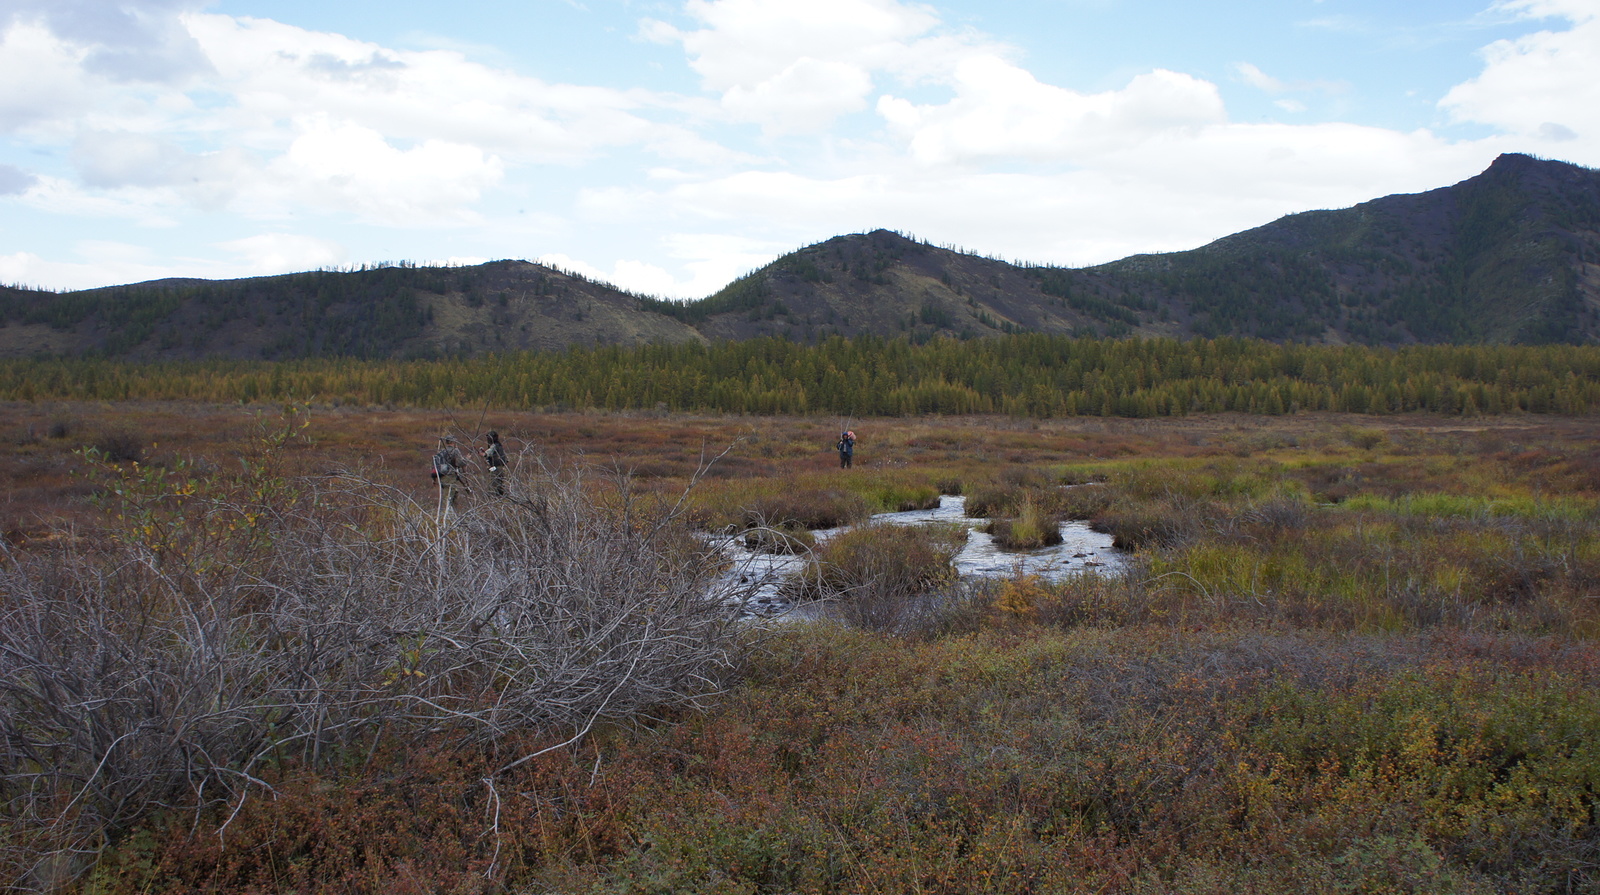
{"x": 761, "y": 575}
{"x": 1081, "y": 549}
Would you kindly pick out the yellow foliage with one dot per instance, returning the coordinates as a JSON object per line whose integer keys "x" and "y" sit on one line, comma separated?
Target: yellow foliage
{"x": 1021, "y": 596}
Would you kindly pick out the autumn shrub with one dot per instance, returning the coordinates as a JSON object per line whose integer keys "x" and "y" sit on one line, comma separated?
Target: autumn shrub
{"x": 813, "y": 500}
{"x": 1098, "y": 760}
{"x": 1365, "y": 439}
{"x": 120, "y": 446}
{"x": 1014, "y": 758}
{"x": 779, "y": 539}
{"x": 1168, "y": 522}
{"x": 1085, "y": 599}
{"x": 894, "y": 490}
{"x": 800, "y": 502}
{"x": 1083, "y": 501}
{"x": 1277, "y": 517}
{"x": 1032, "y": 527}
{"x": 992, "y": 501}
{"x": 806, "y": 509}
{"x": 231, "y": 623}
{"x": 1394, "y": 694}
{"x": 1472, "y": 758}
{"x": 877, "y": 576}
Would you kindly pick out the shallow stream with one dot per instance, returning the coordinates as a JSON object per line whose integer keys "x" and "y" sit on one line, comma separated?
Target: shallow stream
{"x": 1081, "y": 550}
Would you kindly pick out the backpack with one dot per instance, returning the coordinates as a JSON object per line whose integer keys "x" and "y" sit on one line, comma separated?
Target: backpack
{"x": 443, "y": 463}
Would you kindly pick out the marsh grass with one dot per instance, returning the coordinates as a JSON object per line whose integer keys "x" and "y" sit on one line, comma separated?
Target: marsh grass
{"x": 800, "y": 502}
{"x": 1281, "y": 561}
{"x": 1438, "y": 505}
{"x": 880, "y": 576}
{"x": 901, "y": 498}
{"x": 991, "y": 501}
{"x": 1032, "y": 527}
{"x": 812, "y": 500}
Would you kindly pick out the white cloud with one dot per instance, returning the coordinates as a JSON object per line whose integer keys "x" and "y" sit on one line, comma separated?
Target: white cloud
{"x": 276, "y": 73}
{"x": 14, "y": 180}
{"x": 1002, "y": 111}
{"x": 1259, "y": 79}
{"x": 793, "y": 67}
{"x": 119, "y": 267}
{"x": 1270, "y": 85}
{"x": 806, "y": 96}
{"x": 711, "y": 260}
{"x": 122, "y": 40}
{"x": 747, "y": 42}
{"x": 716, "y": 259}
{"x": 123, "y": 159}
{"x": 29, "y": 269}
{"x": 287, "y": 117}
{"x": 61, "y": 197}
{"x": 113, "y": 262}
{"x": 1575, "y": 10}
{"x": 643, "y": 278}
{"x": 270, "y": 253}
{"x": 41, "y": 78}
{"x": 1544, "y": 87}
{"x": 346, "y": 167}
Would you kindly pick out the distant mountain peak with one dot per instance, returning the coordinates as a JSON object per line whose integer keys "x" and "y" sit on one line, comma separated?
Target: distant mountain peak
{"x": 1511, "y": 161}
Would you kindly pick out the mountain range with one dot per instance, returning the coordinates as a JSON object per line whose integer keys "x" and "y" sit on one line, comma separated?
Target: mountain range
{"x": 1511, "y": 255}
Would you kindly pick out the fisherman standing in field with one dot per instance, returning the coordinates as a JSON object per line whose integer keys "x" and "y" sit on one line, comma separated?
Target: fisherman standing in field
{"x": 847, "y": 448}
{"x": 448, "y": 468}
{"x": 494, "y": 455}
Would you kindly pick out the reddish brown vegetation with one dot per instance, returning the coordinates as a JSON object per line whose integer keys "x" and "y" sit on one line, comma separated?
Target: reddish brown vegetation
{"x": 1354, "y": 655}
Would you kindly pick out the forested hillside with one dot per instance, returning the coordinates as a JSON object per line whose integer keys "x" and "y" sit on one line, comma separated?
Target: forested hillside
{"x": 1511, "y": 256}
{"x": 386, "y": 311}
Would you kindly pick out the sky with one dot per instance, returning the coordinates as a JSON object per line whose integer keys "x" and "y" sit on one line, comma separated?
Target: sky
{"x": 671, "y": 146}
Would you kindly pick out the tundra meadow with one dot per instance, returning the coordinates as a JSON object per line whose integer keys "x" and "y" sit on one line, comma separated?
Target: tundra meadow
{"x": 245, "y": 647}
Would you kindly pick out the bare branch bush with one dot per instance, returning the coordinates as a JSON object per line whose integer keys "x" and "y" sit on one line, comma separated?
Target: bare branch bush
{"x": 139, "y": 677}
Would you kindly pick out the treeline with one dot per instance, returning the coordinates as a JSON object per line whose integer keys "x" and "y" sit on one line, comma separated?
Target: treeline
{"x": 1023, "y": 375}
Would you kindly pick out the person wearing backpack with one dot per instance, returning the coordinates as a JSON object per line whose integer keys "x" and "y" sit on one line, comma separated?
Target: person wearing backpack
{"x": 846, "y": 448}
{"x": 494, "y": 456}
{"x": 449, "y": 468}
